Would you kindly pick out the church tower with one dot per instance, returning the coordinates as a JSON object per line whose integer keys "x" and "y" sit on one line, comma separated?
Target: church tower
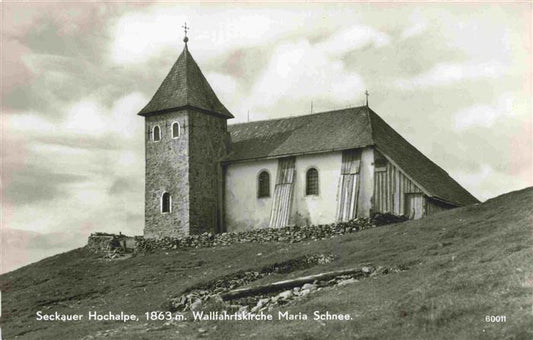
{"x": 186, "y": 137}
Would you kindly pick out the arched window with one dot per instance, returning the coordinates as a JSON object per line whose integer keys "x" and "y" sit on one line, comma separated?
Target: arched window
{"x": 263, "y": 185}
{"x": 175, "y": 130}
{"x": 156, "y": 133}
{"x": 166, "y": 203}
{"x": 311, "y": 185}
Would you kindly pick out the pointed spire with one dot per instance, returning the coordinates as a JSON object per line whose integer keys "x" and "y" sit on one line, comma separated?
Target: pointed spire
{"x": 185, "y": 87}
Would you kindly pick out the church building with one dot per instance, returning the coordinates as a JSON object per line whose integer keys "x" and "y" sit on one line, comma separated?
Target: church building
{"x": 203, "y": 175}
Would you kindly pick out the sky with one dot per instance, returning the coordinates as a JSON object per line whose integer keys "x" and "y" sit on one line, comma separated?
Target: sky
{"x": 454, "y": 79}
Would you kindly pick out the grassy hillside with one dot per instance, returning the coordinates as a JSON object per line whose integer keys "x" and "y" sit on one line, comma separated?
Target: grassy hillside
{"x": 459, "y": 267}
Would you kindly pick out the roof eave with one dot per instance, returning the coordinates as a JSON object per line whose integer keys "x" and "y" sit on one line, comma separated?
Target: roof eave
{"x": 227, "y": 115}
{"x": 227, "y": 161}
{"x": 436, "y": 198}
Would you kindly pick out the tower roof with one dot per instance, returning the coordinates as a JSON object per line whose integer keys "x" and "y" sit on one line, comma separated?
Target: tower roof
{"x": 185, "y": 87}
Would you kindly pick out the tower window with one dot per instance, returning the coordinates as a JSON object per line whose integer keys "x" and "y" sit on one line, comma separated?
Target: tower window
{"x": 166, "y": 203}
{"x": 311, "y": 185}
{"x": 263, "y": 185}
{"x": 175, "y": 130}
{"x": 156, "y": 133}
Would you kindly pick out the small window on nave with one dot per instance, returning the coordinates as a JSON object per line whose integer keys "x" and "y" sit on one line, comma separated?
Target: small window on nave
{"x": 263, "y": 185}
{"x": 311, "y": 186}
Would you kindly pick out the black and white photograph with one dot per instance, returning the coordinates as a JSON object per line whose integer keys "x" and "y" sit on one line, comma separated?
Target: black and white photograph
{"x": 266, "y": 170}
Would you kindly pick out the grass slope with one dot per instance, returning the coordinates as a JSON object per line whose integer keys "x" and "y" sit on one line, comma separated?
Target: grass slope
{"x": 462, "y": 265}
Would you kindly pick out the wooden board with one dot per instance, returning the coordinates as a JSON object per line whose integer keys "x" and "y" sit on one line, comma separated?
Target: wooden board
{"x": 415, "y": 206}
{"x": 288, "y": 284}
{"x": 348, "y": 191}
{"x": 283, "y": 192}
{"x": 390, "y": 188}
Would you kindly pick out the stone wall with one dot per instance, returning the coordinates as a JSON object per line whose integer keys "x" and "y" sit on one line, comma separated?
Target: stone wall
{"x": 207, "y": 146}
{"x": 291, "y": 234}
{"x": 167, "y": 170}
{"x": 104, "y": 242}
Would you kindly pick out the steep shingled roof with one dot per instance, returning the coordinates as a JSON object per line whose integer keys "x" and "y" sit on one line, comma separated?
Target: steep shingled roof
{"x": 340, "y": 130}
{"x": 185, "y": 86}
{"x": 319, "y": 132}
{"x": 431, "y": 177}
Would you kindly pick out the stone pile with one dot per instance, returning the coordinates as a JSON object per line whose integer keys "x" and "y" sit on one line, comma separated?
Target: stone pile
{"x": 290, "y": 234}
{"x": 102, "y": 242}
{"x": 210, "y": 299}
{"x": 109, "y": 243}
{"x": 114, "y": 254}
{"x": 263, "y": 302}
{"x": 210, "y": 292}
{"x": 258, "y": 303}
{"x": 382, "y": 219}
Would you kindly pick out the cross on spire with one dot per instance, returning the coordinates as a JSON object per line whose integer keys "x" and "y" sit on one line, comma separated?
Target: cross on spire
{"x": 185, "y": 29}
{"x": 367, "y": 94}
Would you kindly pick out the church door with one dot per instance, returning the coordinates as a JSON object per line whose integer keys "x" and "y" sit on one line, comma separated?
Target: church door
{"x": 348, "y": 186}
{"x": 281, "y": 204}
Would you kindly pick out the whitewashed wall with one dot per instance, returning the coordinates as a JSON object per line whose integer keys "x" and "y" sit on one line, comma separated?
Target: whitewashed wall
{"x": 319, "y": 209}
{"x": 244, "y": 210}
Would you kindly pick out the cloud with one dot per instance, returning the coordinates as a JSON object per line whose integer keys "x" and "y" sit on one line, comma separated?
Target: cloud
{"x": 121, "y": 185}
{"x": 14, "y": 71}
{"x": 226, "y": 84}
{"x": 444, "y": 74}
{"x": 33, "y": 184}
{"x": 415, "y": 29}
{"x": 66, "y": 176}
{"x": 139, "y": 36}
{"x": 52, "y": 54}
{"x": 85, "y": 117}
{"x": 353, "y": 38}
{"x": 226, "y": 88}
{"x": 418, "y": 24}
{"x": 29, "y": 122}
{"x": 55, "y": 81}
{"x": 300, "y": 71}
{"x": 83, "y": 205}
{"x": 486, "y": 182}
{"x": 483, "y": 115}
